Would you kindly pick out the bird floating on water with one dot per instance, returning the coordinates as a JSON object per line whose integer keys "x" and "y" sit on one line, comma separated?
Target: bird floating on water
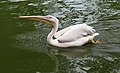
{"x": 75, "y": 35}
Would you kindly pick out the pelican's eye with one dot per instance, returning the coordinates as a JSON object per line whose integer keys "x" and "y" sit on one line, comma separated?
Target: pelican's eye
{"x": 49, "y": 17}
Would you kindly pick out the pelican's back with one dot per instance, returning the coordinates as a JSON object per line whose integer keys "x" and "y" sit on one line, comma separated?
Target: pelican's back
{"x": 74, "y": 32}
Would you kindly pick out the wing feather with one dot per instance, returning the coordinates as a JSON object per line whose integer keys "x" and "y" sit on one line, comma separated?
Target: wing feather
{"x": 75, "y": 32}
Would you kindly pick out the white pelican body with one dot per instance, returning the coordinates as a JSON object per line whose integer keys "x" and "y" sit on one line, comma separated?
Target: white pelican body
{"x": 76, "y": 35}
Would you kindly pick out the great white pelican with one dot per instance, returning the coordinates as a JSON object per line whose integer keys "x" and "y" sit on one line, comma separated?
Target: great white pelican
{"x": 75, "y": 35}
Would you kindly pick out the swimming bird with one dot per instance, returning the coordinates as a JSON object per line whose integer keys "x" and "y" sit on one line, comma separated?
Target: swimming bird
{"x": 75, "y": 35}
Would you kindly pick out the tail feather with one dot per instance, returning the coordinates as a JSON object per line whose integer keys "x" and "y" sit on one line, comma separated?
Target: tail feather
{"x": 96, "y": 34}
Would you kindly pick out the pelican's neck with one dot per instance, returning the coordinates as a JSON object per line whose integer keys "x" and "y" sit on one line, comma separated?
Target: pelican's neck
{"x": 50, "y": 35}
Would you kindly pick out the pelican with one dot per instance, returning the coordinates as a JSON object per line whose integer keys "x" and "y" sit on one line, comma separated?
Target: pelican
{"x": 75, "y": 35}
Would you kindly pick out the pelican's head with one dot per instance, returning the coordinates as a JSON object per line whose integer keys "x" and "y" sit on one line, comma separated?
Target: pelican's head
{"x": 49, "y": 19}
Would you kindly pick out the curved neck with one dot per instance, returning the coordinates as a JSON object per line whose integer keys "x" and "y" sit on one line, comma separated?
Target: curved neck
{"x": 53, "y": 31}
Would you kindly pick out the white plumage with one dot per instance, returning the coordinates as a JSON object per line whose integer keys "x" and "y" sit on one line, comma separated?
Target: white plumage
{"x": 76, "y": 35}
{"x": 74, "y": 32}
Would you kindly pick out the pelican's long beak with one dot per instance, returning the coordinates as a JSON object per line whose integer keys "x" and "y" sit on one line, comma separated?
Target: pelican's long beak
{"x": 38, "y": 18}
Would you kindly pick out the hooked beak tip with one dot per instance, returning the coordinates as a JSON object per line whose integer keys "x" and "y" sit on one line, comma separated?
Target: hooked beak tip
{"x": 21, "y": 17}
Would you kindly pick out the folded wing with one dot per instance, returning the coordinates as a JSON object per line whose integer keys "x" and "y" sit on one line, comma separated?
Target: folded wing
{"x": 74, "y": 32}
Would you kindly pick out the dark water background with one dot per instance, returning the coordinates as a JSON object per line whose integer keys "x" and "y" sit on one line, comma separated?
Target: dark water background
{"x": 23, "y": 46}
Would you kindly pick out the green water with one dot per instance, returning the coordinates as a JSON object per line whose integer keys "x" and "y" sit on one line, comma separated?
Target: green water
{"x": 23, "y": 46}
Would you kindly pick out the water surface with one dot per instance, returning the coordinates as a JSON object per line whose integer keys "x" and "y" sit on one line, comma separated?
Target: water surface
{"x": 23, "y": 46}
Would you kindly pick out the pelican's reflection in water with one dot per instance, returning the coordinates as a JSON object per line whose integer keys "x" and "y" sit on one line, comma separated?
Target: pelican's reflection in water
{"x": 68, "y": 58}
